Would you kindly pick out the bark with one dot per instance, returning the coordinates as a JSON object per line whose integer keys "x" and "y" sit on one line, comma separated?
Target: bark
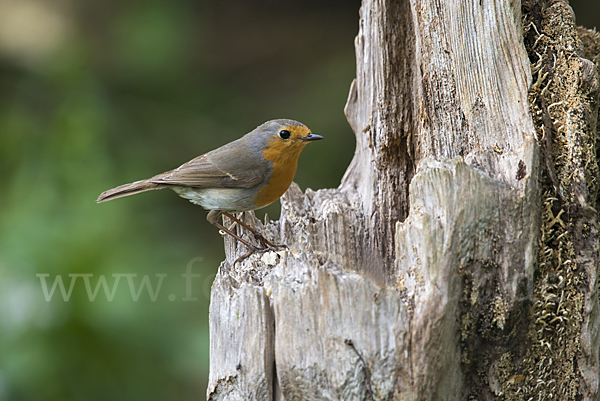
{"x": 458, "y": 257}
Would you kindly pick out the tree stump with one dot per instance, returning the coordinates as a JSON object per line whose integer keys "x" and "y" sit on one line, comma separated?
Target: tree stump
{"x": 458, "y": 257}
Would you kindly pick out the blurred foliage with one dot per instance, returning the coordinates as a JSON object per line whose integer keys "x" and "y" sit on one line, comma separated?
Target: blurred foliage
{"x": 96, "y": 94}
{"x": 587, "y": 13}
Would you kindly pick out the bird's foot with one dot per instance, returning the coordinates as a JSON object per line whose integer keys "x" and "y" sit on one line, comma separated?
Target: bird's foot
{"x": 252, "y": 251}
{"x": 266, "y": 243}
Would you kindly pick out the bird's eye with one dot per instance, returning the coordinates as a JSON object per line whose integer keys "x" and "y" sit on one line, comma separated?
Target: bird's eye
{"x": 284, "y": 134}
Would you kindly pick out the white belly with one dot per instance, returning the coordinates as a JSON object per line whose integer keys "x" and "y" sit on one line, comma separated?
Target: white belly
{"x": 225, "y": 199}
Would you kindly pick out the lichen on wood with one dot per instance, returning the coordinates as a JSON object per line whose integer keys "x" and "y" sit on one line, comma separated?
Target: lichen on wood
{"x": 562, "y": 358}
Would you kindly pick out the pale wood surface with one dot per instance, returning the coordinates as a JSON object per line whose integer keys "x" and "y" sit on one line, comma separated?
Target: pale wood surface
{"x": 439, "y": 269}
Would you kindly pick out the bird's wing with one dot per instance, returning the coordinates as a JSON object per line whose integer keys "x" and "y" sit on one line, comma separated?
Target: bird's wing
{"x": 210, "y": 172}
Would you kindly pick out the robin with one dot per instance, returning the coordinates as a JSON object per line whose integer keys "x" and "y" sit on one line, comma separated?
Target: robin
{"x": 246, "y": 174}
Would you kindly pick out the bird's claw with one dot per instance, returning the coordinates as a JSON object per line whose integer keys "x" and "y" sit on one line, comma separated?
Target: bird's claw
{"x": 266, "y": 243}
{"x": 252, "y": 251}
{"x": 266, "y": 246}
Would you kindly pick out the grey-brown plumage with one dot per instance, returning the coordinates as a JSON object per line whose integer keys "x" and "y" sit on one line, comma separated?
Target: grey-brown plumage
{"x": 128, "y": 189}
{"x": 246, "y": 174}
{"x": 214, "y": 169}
{"x": 206, "y": 171}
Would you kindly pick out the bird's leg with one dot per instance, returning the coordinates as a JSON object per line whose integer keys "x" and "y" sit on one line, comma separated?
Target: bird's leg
{"x": 213, "y": 218}
{"x": 250, "y": 252}
{"x": 252, "y": 248}
{"x": 228, "y": 231}
{"x": 259, "y": 237}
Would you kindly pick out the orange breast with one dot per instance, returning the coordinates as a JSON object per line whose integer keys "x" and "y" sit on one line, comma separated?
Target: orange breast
{"x": 285, "y": 163}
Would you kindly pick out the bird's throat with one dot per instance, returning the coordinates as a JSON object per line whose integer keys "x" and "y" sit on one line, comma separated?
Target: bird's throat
{"x": 285, "y": 163}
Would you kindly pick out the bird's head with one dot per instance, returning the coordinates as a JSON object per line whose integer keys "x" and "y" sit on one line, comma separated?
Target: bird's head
{"x": 282, "y": 139}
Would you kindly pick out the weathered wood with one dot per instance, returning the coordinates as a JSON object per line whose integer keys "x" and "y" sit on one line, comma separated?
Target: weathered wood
{"x": 458, "y": 258}
{"x": 241, "y": 317}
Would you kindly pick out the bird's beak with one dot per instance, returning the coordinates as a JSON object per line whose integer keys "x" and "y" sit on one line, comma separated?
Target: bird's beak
{"x": 312, "y": 137}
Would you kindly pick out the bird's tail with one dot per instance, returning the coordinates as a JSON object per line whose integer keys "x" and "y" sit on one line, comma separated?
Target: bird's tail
{"x": 129, "y": 189}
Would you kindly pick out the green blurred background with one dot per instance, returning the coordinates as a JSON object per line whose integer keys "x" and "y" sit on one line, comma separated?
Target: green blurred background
{"x": 94, "y": 94}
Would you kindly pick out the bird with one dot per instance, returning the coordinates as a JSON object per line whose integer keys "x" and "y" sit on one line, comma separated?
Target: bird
{"x": 247, "y": 174}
